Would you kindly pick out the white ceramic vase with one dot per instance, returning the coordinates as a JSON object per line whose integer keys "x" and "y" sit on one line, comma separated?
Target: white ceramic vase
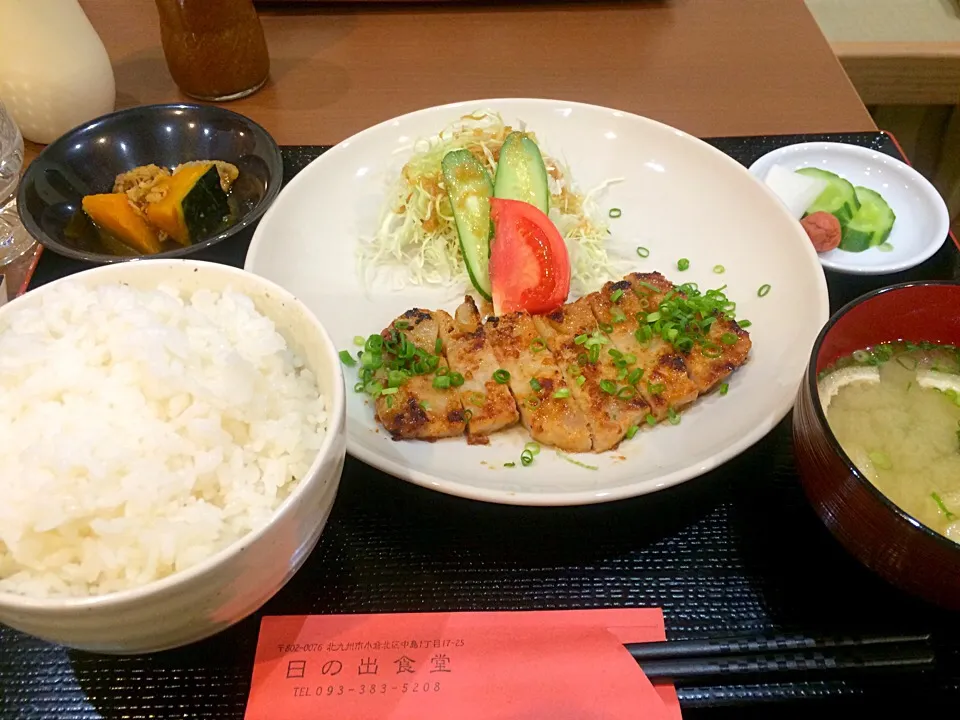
{"x": 54, "y": 71}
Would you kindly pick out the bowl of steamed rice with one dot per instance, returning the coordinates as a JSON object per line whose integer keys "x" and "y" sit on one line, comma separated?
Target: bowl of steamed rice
{"x": 876, "y": 432}
{"x": 173, "y": 439}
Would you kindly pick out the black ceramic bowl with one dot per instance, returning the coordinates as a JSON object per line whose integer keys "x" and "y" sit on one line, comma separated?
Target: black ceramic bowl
{"x": 88, "y": 158}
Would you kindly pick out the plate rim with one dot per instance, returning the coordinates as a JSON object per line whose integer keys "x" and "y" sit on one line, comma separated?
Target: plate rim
{"x": 554, "y": 499}
{"x": 943, "y": 214}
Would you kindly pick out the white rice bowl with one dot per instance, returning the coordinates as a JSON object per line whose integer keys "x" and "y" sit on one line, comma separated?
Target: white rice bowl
{"x": 143, "y": 431}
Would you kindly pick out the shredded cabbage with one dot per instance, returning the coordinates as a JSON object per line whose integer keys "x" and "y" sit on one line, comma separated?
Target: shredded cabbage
{"x": 416, "y": 240}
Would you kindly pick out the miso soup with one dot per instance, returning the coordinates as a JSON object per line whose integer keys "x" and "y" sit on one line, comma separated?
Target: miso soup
{"x": 895, "y": 410}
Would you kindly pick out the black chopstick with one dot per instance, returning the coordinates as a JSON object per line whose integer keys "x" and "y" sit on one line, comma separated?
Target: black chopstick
{"x": 771, "y": 644}
{"x": 735, "y": 658}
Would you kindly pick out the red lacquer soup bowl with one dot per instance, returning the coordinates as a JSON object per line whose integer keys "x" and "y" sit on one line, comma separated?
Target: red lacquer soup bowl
{"x": 878, "y": 533}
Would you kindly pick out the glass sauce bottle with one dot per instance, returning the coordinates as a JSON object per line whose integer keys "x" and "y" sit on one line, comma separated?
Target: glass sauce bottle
{"x": 215, "y": 49}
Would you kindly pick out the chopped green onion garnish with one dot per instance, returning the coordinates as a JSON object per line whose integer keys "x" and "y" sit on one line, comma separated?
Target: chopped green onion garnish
{"x": 532, "y": 447}
{"x": 438, "y": 347}
{"x": 594, "y": 353}
{"x": 425, "y": 405}
{"x": 617, "y": 316}
{"x": 526, "y": 458}
{"x": 606, "y": 327}
{"x": 538, "y": 345}
{"x": 371, "y": 360}
{"x": 597, "y": 339}
{"x": 907, "y": 363}
{"x": 562, "y": 393}
{"x": 358, "y": 387}
{"x": 478, "y": 399}
{"x": 744, "y": 323}
{"x": 573, "y": 369}
{"x": 655, "y": 388}
{"x": 718, "y": 269}
{"x": 728, "y": 338}
{"x": 581, "y": 339}
{"x": 880, "y": 460}
{"x": 441, "y": 382}
{"x": 711, "y": 351}
{"x": 389, "y": 391}
{"x": 533, "y": 403}
{"x": 456, "y": 379}
{"x": 396, "y": 378}
{"x": 564, "y": 456}
{"x": 651, "y": 420}
{"x": 347, "y": 359}
{"x": 401, "y": 324}
{"x": 724, "y": 387}
{"x": 653, "y": 317}
{"x": 581, "y": 380}
{"x": 614, "y": 353}
{"x": 608, "y": 386}
{"x": 764, "y": 290}
{"x": 643, "y": 252}
{"x": 615, "y": 212}
{"x": 672, "y": 415}
{"x": 359, "y": 340}
{"x": 683, "y": 264}
{"x": 535, "y": 384}
{"x": 616, "y": 295}
{"x": 631, "y": 431}
{"x": 634, "y": 377}
{"x": 501, "y": 376}
{"x": 389, "y": 401}
{"x": 468, "y": 415}
{"x": 943, "y": 508}
{"x": 373, "y": 344}
{"x": 626, "y": 392}
{"x": 509, "y": 464}
{"x": 622, "y": 373}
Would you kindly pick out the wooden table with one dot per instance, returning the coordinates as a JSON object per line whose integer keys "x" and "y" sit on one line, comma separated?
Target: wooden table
{"x": 710, "y": 67}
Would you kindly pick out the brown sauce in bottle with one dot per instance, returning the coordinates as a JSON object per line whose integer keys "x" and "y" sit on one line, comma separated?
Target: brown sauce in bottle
{"x": 215, "y": 49}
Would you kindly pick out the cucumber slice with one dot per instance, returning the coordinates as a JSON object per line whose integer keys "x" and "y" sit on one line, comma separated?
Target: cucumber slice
{"x": 470, "y": 189}
{"x": 521, "y": 174}
{"x": 839, "y": 199}
{"x": 871, "y": 225}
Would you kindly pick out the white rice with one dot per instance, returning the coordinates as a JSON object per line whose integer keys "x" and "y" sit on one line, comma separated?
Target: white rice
{"x": 141, "y": 432}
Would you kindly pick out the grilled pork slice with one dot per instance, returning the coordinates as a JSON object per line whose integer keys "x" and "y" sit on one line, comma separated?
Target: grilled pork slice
{"x": 665, "y": 383}
{"x": 534, "y": 381}
{"x": 709, "y": 366}
{"x": 609, "y": 403}
{"x": 490, "y": 404}
{"x": 706, "y": 366}
{"x": 418, "y": 410}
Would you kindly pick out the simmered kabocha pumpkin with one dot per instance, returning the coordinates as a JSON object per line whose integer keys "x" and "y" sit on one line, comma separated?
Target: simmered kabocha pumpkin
{"x": 194, "y": 206}
{"x": 116, "y": 215}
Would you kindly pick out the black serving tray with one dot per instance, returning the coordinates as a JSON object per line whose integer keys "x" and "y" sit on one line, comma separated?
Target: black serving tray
{"x": 735, "y": 551}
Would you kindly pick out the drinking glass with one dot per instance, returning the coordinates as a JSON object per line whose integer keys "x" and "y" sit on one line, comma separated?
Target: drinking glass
{"x": 15, "y": 241}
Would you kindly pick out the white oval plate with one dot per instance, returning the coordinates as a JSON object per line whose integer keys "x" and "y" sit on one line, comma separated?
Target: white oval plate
{"x": 922, "y": 223}
{"x": 680, "y": 198}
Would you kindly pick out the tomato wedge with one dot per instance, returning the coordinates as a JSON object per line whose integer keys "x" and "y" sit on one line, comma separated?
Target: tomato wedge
{"x": 529, "y": 264}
